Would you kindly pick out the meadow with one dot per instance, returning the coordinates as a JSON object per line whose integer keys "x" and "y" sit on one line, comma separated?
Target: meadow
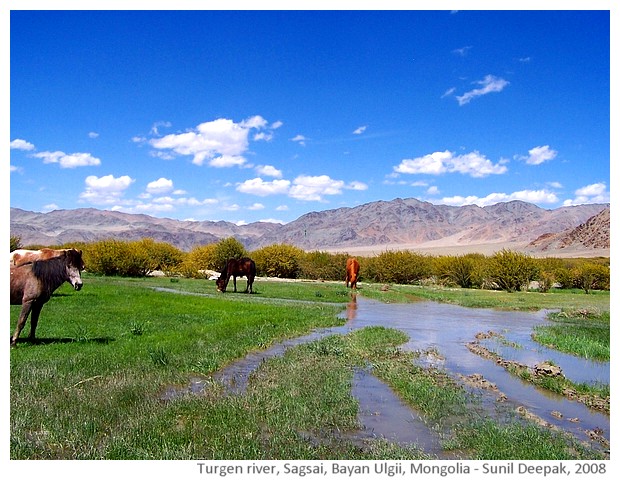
{"x": 92, "y": 386}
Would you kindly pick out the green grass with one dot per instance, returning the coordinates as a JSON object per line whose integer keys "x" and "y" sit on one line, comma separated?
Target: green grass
{"x": 581, "y": 333}
{"x": 92, "y": 385}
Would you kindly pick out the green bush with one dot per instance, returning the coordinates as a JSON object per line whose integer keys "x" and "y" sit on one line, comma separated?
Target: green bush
{"x": 512, "y": 271}
{"x": 402, "y": 267}
{"x": 226, "y": 249}
{"x": 591, "y": 276}
{"x": 198, "y": 260}
{"x": 280, "y": 260}
{"x": 318, "y": 265}
{"x": 465, "y": 271}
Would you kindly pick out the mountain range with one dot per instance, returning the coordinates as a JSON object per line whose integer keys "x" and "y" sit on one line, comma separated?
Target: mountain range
{"x": 365, "y": 229}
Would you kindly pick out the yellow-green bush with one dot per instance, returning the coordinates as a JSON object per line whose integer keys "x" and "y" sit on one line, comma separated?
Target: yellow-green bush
{"x": 318, "y": 265}
{"x": 511, "y": 270}
{"x": 400, "y": 266}
{"x": 280, "y": 260}
{"x": 466, "y": 271}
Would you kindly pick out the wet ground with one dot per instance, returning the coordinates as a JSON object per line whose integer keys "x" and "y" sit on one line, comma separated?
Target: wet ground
{"x": 442, "y": 332}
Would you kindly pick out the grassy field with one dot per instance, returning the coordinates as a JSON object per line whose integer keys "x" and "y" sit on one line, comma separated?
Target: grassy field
{"x": 91, "y": 386}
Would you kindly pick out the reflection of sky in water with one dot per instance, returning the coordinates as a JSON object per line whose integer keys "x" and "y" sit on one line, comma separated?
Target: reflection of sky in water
{"x": 448, "y": 329}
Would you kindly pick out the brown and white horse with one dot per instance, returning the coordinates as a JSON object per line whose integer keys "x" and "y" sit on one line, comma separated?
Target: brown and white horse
{"x": 237, "y": 268}
{"x": 21, "y": 256}
{"x": 33, "y": 283}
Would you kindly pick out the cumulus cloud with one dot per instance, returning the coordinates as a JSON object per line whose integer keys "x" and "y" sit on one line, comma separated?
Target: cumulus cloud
{"x": 160, "y": 186}
{"x": 531, "y": 196}
{"x": 220, "y": 143}
{"x": 489, "y": 84}
{"x": 66, "y": 160}
{"x": 93, "y": 135}
{"x": 304, "y": 187}
{"x": 538, "y": 155}
{"x": 19, "y": 144}
{"x": 262, "y": 188}
{"x": 269, "y": 171}
{"x": 473, "y": 164}
{"x": 360, "y": 130}
{"x": 593, "y": 193}
{"x": 106, "y": 190}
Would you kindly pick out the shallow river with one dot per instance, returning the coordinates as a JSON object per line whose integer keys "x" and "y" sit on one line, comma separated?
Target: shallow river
{"x": 446, "y": 330}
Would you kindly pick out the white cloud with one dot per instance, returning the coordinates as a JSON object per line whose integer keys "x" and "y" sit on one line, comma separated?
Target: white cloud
{"x": 313, "y": 188}
{"x": 269, "y": 171}
{"x": 257, "y": 186}
{"x": 355, "y": 185}
{"x": 19, "y": 144}
{"x": 105, "y": 190}
{"x": 299, "y": 139}
{"x": 594, "y": 193}
{"x": 156, "y": 126}
{"x": 159, "y": 186}
{"x": 532, "y": 196}
{"x": 65, "y": 160}
{"x": 360, "y": 130}
{"x": 256, "y": 206}
{"x": 221, "y": 142}
{"x": 538, "y": 155}
{"x": 473, "y": 164}
{"x": 462, "y": 52}
{"x": 490, "y": 84}
{"x": 448, "y": 92}
{"x": 93, "y": 134}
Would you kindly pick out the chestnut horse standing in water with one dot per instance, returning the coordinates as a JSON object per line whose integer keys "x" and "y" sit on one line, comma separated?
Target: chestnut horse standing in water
{"x": 353, "y": 270}
{"x": 33, "y": 283}
{"x": 237, "y": 268}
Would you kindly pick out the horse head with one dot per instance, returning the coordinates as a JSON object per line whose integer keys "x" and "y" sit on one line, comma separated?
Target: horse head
{"x": 74, "y": 265}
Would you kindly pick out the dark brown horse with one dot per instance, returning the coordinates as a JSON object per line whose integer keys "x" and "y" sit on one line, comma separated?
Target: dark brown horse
{"x": 237, "y": 268}
{"x": 33, "y": 283}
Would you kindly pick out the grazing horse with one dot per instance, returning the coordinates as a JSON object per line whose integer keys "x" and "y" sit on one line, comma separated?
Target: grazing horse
{"x": 237, "y": 268}
{"x": 353, "y": 270}
{"x": 19, "y": 257}
{"x": 33, "y": 283}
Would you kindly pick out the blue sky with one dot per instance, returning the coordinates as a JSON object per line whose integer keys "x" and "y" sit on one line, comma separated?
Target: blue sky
{"x": 246, "y": 116}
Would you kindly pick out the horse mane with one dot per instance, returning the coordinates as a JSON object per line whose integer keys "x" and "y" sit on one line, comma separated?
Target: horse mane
{"x": 52, "y": 272}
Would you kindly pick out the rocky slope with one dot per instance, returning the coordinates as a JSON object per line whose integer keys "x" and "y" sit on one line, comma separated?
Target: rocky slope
{"x": 400, "y": 222}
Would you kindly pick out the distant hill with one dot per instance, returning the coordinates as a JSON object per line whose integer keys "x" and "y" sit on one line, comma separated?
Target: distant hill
{"x": 593, "y": 234}
{"x": 399, "y": 223}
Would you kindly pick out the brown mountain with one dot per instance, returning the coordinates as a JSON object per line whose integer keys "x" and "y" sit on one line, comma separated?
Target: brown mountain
{"x": 400, "y": 223}
{"x": 593, "y": 234}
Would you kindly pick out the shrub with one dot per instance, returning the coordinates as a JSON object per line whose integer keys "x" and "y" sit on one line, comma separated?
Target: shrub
{"x": 280, "y": 260}
{"x": 226, "y": 249}
{"x": 323, "y": 266}
{"x": 465, "y": 271}
{"x": 16, "y": 242}
{"x": 117, "y": 257}
{"x": 402, "y": 267}
{"x": 197, "y": 260}
{"x": 512, "y": 271}
{"x": 591, "y": 276}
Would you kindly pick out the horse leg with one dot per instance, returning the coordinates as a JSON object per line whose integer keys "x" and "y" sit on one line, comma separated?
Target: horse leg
{"x": 34, "y": 319}
{"x": 23, "y": 316}
{"x": 250, "y": 282}
{"x": 235, "y": 283}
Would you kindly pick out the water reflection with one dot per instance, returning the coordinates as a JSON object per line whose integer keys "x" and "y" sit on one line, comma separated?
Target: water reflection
{"x": 443, "y": 331}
